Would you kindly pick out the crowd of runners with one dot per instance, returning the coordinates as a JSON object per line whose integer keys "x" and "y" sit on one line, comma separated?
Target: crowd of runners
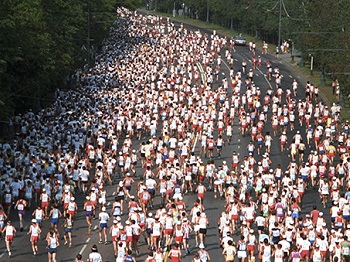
{"x": 154, "y": 94}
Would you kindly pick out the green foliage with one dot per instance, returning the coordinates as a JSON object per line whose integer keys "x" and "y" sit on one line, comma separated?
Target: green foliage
{"x": 41, "y": 42}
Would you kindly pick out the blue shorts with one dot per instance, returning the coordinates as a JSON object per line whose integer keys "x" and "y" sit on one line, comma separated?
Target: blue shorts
{"x": 103, "y": 225}
{"x": 52, "y": 250}
{"x": 21, "y": 213}
{"x": 54, "y": 221}
{"x": 67, "y": 230}
{"x": 151, "y": 192}
{"x": 88, "y": 213}
{"x": 39, "y": 221}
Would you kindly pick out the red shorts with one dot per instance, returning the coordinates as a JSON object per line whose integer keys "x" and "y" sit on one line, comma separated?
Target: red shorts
{"x": 283, "y": 143}
{"x": 8, "y": 204}
{"x": 234, "y": 217}
{"x": 65, "y": 205}
{"x": 168, "y": 231}
{"x": 179, "y": 239}
{"x": 305, "y": 253}
{"x": 220, "y": 129}
{"x": 37, "y": 190}
{"x": 71, "y": 212}
{"x": 9, "y": 238}
{"x": 34, "y": 239}
{"x": 44, "y": 204}
{"x": 201, "y": 195}
{"x": 135, "y": 238}
{"x": 114, "y": 238}
{"x": 145, "y": 201}
{"x": 156, "y": 237}
{"x": 323, "y": 253}
{"x": 128, "y": 239}
{"x": 250, "y": 247}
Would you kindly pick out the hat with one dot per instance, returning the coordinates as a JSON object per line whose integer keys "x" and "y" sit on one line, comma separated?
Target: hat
{"x": 94, "y": 248}
{"x": 251, "y": 231}
{"x": 150, "y": 214}
{"x": 132, "y": 197}
{"x": 115, "y": 221}
{"x": 127, "y": 222}
{"x": 320, "y": 214}
{"x": 201, "y": 245}
{"x": 72, "y": 198}
{"x": 87, "y": 198}
{"x": 33, "y": 220}
{"x": 44, "y": 189}
{"x": 103, "y": 209}
{"x": 118, "y": 218}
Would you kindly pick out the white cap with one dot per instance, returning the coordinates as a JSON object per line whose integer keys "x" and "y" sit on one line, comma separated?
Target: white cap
{"x": 72, "y": 198}
{"x": 103, "y": 209}
{"x": 201, "y": 245}
{"x": 33, "y": 220}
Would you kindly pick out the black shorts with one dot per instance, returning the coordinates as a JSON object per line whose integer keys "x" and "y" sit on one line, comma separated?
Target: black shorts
{"x": 203, "y": 231}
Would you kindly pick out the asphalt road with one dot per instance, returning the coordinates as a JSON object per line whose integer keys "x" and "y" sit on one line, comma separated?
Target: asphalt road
{"x": 83, "y": 242}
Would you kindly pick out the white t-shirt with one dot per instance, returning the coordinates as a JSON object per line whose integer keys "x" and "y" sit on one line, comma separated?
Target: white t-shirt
{"x": 95, "y": 257}
{"x": 103, "y": 216}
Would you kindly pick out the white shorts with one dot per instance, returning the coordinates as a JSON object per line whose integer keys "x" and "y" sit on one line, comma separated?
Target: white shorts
{"x": 241, "y": 254}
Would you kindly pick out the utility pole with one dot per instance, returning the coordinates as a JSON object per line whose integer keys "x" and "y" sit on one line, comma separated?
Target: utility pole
{"x": 279, "y": 28}
{"x": 207, "y": 11}
{"x": 88, "y": 36}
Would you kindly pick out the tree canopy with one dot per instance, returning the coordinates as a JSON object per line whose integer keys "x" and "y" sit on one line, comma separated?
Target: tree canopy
{"x": 44, "y": 40}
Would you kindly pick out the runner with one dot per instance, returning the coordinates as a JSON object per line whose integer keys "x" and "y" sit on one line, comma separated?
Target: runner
{"x": 103, "y": 218}
{"x": 94, "y": 256}
{"x": 21, "y": 207}
{"x": 68, "y": 225}
{"x": 34, "y": 232}
{"x": 89, "y": 209}
{"x": 9, "y": 232}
